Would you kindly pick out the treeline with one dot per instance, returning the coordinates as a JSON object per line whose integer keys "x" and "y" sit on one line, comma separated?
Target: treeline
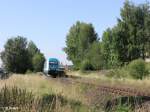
{"x": 20, "y": 56}
{"x": 128, "y": 40}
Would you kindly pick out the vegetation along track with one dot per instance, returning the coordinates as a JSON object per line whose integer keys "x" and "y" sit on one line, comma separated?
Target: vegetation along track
{"x": 107, "y": 95}
{"x": 102, "y": 92}
{"x": 106, "y": 88}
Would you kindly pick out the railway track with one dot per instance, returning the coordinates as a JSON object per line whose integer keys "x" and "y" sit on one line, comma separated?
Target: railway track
{"x": 109, "y": 96}
{"x": 136, "y": 98}
{"x": 128, "y": 91}
{"x": 124, "y": 92}
{"x": 106, "y": 88}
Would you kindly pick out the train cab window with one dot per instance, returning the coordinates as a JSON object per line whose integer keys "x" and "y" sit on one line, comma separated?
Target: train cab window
{"x": 53, "y": 63}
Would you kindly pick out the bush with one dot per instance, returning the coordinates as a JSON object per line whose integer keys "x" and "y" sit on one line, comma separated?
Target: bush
{"x": 38, "y": 62}
{"x": 148, "y": 67}
{"x": 86, "y": 65}
{"x": 118, "y": 73}
{"x": 29, "y": 71}
{"x": 137, "y": 69}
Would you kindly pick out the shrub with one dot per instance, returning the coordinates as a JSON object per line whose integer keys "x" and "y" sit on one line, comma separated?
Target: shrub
{"x": 148, "y": 67}
{"x": 29, "y": 71}
{"x": 137, "y": 69}
{"x": 86, "y": 65}
{"x": 118, "y": 73}
{"x": 38, "y": 62}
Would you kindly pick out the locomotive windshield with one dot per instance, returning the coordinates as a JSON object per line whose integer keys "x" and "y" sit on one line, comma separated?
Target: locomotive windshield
{"x": 53, "y": 63}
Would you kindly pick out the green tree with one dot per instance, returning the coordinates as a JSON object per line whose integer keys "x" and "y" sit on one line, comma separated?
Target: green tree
{"x": 95, "y": 56}
{"x": 37, "y": 59}
{"x": 32, "y": 48}
{"x": 130, "y": 38}
{"x": 137, "y": 21}
{"x": 78, "y": 41}
{"x": 109, "y": 48}
{"x": 15, "y": 56}
{"x": 38, "y": 62}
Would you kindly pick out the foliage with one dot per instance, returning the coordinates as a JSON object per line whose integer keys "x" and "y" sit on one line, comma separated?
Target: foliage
{"x": 29, "y": 71}
{"x": 37, "y": 59}
{"x": 118, "y": 73}
{"x": 135, "y": 19}
{"x": 137, "y": 69}
{"x": 148, "y": 67}
{"x": 15, "y": 56}
{"x": 78, "y": 41}
{"x": 38, "y": 62}
{"x": 130, "y": 38}
{"x": 18, "y": 55}
{"x": 110, "y": 54}
{"x": 32, "y": 48}
{"x": 95, "y": 56}
{"x": 86, "y": 65}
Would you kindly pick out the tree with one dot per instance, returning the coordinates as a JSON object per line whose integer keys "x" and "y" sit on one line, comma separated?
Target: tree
{"x": 137, "y": 21}
{"x": 37, "y": 59}
{"x": 78, "y": 41}
{"x": 109, "y": 49}
{"x": 32, "y": 48}
{"x": 38, "y": 62}
{"x": 19, "y": 56}
{"x": 130, "y": 38}
{"x": 15, "y": 56}
{"x": 95, "y": 56}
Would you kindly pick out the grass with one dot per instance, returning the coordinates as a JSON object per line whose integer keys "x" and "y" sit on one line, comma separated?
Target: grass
{"x": 40, "y": 85}
{"x": 14, "y": 99}
{"x": 99, "y": 77}
{"x": 81, "y": 97}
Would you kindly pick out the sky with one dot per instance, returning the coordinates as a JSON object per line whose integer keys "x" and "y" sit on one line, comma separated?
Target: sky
{"x": 47, "y": 22}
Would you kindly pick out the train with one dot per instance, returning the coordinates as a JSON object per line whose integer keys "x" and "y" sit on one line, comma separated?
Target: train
{"x": 54, "y": 68}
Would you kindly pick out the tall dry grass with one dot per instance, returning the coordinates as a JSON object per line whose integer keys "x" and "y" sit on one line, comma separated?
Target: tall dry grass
{"x": 14, "y": 99}
{"x": 41, "y": 85}
{"x": 99, "y": 77}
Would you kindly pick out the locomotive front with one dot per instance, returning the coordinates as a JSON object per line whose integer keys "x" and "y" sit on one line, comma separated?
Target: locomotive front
{"x": 53, "y": 67}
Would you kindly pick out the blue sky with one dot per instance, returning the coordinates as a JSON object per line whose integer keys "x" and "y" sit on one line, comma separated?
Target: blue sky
{"x": 47, "y": 22}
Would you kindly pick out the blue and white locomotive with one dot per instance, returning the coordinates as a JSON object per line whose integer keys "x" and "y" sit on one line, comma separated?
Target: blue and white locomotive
{"x": 53, "y": 67}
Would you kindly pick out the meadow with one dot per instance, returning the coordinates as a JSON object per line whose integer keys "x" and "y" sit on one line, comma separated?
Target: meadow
{"x": 72, "y": 94}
